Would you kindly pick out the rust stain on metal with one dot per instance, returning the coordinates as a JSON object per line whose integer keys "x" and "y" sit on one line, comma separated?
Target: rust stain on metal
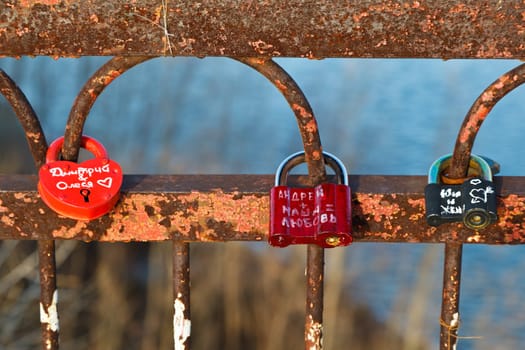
{"x": 472, "y": 126}
{"x": 379, "y": 206}
{"x": 450, "y": 298}
{"x": 49, "y": 322}
{"x": 146, "y": 219}
{"x": 282, "y": 87}
{"x": 384, "y": 208}
{"x": 302, "y": 111}
{"x": 418, "y": 204}
{"x": 311, "y": 126}
{"x": 109, "y": 77}
{"x": 28, "y": 3}
{"x": 8, "y": 219}
{"x": 155, "y": 217}
{"x": 26, "y": 116}
{"x": 313, "y": 328}
{"x": 247, "y": 211}
{"x": 477, "y": 114}
{"x": 291, "y": 28}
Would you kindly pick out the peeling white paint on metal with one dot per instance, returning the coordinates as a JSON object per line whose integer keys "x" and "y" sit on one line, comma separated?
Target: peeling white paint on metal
{"x": 314, "y": 335}
{"x": 50, "y": 316}
{"x": 455, "y": 320}
{"x": 181, "y": 326}
{"x": 454, "y": 323}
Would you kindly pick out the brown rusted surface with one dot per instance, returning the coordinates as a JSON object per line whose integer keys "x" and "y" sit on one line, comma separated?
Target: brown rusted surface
{"x": 46, "y": 248}
{"x": 48, "y": 294}
{"x": 450, "y": 301}
{"x": 26, "y": 116}
{"x": 236, "y": 28}
{"x": 459, "y": 166}
{"x": 313, "y": 331}
{"x": 477, "y": 114}
{"x": 229, "y": 207}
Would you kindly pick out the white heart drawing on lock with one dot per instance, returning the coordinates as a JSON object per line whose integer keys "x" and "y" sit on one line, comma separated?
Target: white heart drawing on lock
{"x": 105, "y": 182}
{"x": 479, "y": 195}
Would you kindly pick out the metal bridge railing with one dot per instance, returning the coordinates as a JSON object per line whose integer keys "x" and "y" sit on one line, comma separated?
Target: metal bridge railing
{"x": 184, "y": 209}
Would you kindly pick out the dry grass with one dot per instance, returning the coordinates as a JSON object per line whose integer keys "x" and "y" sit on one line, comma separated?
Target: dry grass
{"x": 118, "y": 296}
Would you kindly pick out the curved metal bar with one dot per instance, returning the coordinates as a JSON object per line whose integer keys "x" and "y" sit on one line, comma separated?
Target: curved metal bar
{"x": 477, "y": 114}
{"x": 458, "y": 169}
{"x": 302, "y": 110}
{"x": 313, "y": 332}
{"x": 309, "y": 133}
{"x": 72, "y": 141}
{"x": 118, "y": 65}
{"x": 87, "y": 97}
{"x": 26, "y": 115}
{"x": 46, "y": 248}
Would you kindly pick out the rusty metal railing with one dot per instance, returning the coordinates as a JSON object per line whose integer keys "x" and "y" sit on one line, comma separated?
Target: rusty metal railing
{"x": 292, "y": 28}
{"x": 74, "y": 129}
{"x": 46, "y": 247}
{"x": 386, "y": 208}
{"x": 458, "y": 170}
{"x": 242, "y": 206}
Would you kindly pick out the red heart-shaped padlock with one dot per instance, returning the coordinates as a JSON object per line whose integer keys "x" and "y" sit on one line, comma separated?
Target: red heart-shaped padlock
{"x": 82, "y": 191}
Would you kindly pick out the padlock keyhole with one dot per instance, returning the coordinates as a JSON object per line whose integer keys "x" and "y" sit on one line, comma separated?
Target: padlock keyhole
{"x": 85, "y": 193}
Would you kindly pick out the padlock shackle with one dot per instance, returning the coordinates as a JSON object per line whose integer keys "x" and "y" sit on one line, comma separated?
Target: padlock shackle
{"x": 87, "y": 142}
{"x": 299, "y": 157}
{"x": 442, "y": 162}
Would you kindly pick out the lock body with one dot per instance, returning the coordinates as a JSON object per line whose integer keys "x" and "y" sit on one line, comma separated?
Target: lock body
{"x": 310, "y": 215}
{"x": 82, "y": 191}
{"x": 472, "y": 202}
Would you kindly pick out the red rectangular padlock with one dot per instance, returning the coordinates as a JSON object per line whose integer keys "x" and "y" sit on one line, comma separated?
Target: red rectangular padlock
{"x": 310, "y": 215}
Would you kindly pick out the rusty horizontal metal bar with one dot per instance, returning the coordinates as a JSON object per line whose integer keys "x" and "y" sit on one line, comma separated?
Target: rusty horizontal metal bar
{"x": 235, "y": 207}
{"x": 237, "y": 28}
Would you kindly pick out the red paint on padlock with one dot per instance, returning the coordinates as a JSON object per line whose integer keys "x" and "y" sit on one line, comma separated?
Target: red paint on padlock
{"x": 82, "y": 191}
{"x": 310, "y": 215}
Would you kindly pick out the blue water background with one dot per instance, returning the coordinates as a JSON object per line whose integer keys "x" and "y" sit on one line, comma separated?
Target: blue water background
{"x": 215, "y": 115}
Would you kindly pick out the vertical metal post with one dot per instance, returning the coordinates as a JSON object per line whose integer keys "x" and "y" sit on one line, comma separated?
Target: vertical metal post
{"x": 313, "y": 333}
{"x": 46, "y": 248}
{"x": 181, "y": 295}
{"x": 48, "y": 294}
{"x": 458, "y": 169}
{"x": 450, "y": 302}
{"x": 317, "y": 173}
